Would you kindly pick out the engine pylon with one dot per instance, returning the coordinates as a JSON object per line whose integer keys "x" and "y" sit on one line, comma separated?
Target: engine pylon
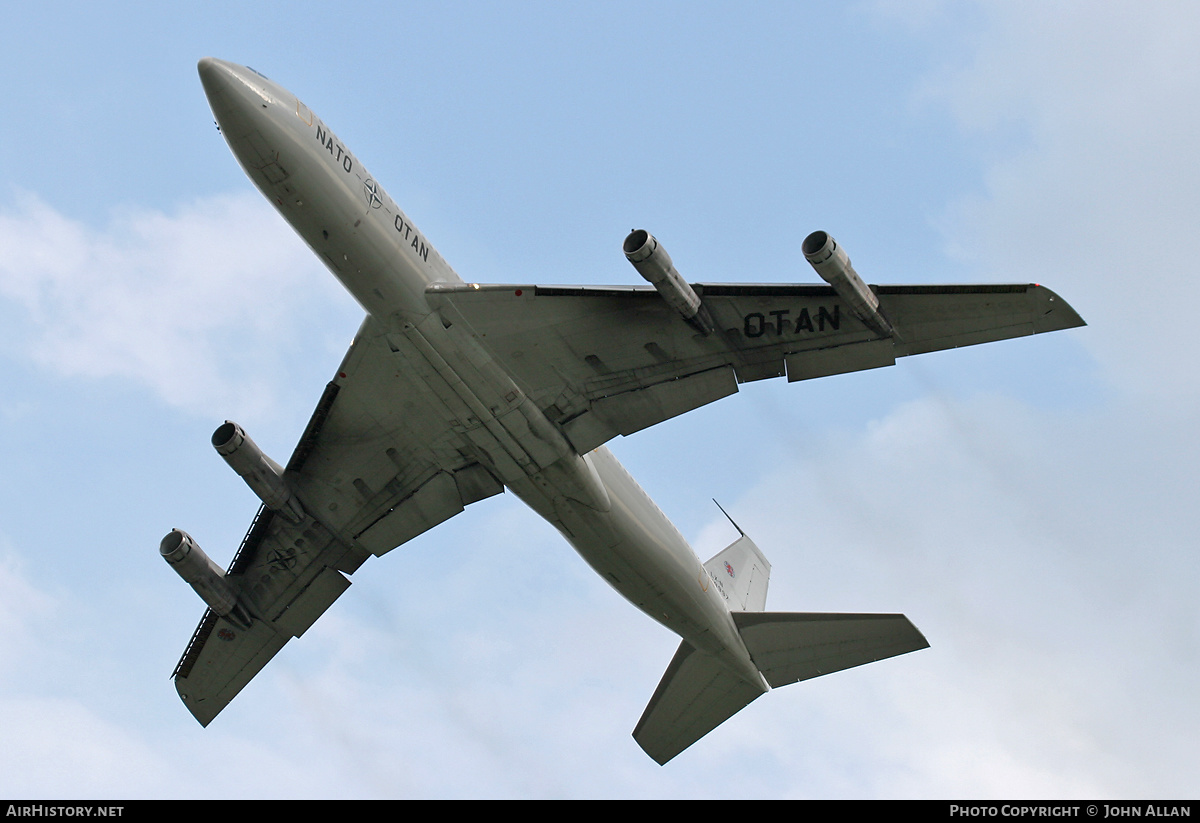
{"x": 185, "y": 556}
{"x": 262, "y": 474}
{"x": 653, "y": 263}
{"x": 833, "y": 264}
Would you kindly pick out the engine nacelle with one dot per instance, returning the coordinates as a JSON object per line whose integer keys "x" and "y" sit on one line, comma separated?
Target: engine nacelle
{"x": 653, "y": 263}
{"x": 262, "y": 474}
{"x": 185, "y": 556}
{"x": 832, "y": 263}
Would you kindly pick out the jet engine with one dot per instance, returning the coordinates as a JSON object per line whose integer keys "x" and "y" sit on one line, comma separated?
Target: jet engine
{"x": 832, "y": 263}
{"x": 186, "y": 557}
{"x": 262, "y": 474}
{"x": 653, "y": 263}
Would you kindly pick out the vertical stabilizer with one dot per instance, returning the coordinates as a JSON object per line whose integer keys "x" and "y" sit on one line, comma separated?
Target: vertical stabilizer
{"x": 741, "y": 573}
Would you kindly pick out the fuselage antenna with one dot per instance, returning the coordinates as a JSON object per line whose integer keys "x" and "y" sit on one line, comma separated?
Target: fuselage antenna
{"x": 735, "y": 525}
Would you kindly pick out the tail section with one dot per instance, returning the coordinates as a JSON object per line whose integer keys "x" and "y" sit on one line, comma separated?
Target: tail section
{"x": 698, "y": 693}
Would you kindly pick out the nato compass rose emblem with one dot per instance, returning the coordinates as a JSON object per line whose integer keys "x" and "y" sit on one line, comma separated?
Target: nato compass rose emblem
{"x": 371, "y": 188}
{"x": 729, "y": 569}
{"x": 282, "y": 561}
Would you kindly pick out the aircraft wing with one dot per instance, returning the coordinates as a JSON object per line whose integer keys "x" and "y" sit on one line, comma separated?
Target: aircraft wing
{"x": 377, "y": 465}
{"x": 609, "y": 361}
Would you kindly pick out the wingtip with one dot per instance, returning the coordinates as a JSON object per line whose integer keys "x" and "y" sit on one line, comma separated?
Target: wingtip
{"x": 1057, "y": 313}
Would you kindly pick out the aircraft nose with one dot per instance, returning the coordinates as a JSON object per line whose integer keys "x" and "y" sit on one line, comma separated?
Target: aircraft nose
{"x": 215, "y": 75}
{"x": 237, "y": 95}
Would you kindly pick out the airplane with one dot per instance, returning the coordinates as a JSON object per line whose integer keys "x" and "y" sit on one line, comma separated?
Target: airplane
{"x": 452, "y": 392}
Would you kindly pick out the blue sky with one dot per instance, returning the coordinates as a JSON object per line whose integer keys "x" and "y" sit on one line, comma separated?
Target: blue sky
{"x": 1030, "y": 505}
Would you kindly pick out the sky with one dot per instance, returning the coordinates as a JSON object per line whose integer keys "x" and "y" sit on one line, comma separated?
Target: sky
{"x": 1030, "y": 505}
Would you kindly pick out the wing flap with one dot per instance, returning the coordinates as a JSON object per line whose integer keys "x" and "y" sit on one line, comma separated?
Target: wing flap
{"x": 313, "y": 600}
{"x": 870, "y": 354}
{"x": 435, "y": 501}
{"x": 637, "y": 409}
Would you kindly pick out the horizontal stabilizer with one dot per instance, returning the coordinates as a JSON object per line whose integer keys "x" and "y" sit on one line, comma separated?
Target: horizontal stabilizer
{"x": 696, "y": 695}
{"x": 792, "y": 646}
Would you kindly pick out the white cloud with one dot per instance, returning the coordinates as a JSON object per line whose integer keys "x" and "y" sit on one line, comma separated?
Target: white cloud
{"x": 54, "y": 744}
{"x": 22, "y": 607}
{"x": 1046, "y": 568}
{"x": 208, "y": 307}
{"x": 1093, "y": 624}
{"x": 1091, "y": 190}
{"x": 56, "y": 747}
